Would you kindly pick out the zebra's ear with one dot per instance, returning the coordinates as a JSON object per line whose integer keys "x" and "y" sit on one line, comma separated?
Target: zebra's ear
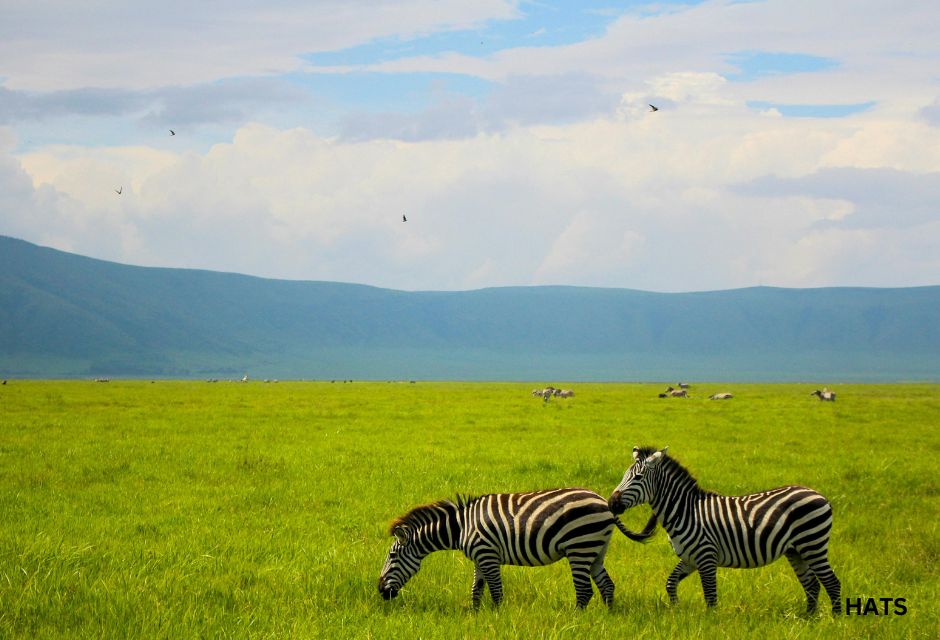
{"x": 636, "y": 453}
{"x": 655, "y": 459}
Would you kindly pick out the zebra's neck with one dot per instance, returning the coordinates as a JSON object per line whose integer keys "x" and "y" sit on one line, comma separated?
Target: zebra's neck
{"x": 674, "y": 495}
{"x": 442, "y": 531}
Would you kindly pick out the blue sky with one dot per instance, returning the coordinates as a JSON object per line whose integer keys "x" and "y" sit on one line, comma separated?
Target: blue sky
{"x": 517, "y": 133}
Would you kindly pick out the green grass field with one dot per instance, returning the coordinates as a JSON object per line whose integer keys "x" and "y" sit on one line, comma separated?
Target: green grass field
{"x": 187, "y": 509}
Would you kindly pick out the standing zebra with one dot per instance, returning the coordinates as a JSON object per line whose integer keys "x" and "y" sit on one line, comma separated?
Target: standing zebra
{"x": 708, "y": 530}
{"x": 529, "y": 529}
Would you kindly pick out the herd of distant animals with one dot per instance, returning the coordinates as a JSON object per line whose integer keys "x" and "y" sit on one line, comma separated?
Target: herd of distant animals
{"x": 682, "y": 391}
{"x": 550, "y": 392}
{"x": 707, "y": 530}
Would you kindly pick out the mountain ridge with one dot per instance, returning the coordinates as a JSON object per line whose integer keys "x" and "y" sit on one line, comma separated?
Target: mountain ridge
{"x": 67, "y": 315}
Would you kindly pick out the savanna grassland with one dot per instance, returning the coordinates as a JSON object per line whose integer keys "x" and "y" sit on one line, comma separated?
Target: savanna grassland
{"x": 188, "y": 509}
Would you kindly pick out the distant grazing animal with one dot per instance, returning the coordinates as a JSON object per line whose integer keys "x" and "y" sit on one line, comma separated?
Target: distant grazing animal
{"x": 720, "y": 396}
{"x": 528, "y": 529}
{"x": 708, "y": 530}
{"x": 102, "y": 379}
{"x": 674, "y": 393}
{"x": 566, "y": 393}
{"x": 245, "y": 378}
{"x": 825, "y": 394}
{"x": 546, "y": 393}
{"x": 684, "y": 385}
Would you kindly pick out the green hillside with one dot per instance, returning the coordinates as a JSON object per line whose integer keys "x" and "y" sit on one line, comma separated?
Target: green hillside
{"x": 67, "y": 315}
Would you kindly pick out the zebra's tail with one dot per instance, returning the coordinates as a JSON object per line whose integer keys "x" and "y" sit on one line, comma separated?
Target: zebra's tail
{"x": 644, "y": 536}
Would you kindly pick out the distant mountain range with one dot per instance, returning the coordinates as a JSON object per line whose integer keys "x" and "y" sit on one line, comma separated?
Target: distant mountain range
{"x": 64, "y": 315}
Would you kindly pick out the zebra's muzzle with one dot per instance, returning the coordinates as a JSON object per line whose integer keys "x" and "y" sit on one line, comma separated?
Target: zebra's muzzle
{"x": 387, "y": 592}
{"x": 614, "y": 503}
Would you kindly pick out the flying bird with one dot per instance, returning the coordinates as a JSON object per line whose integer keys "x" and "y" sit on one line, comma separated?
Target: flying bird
{"x": 404, "y": 219}
{"x": 172, "y": 133}
{"x": 654, "y": 108}
{"x": 119, "y": 190}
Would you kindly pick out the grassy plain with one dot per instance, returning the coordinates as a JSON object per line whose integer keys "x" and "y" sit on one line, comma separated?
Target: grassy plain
{"x": 187, "y": 509}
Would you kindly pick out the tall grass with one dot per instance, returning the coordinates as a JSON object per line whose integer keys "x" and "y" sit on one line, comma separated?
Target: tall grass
{"x": 184, "y": 509}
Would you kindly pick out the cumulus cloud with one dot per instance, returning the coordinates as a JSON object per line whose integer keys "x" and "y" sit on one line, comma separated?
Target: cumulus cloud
{"x": 634, "y": 203}
{"x": 591, "y": 247}
{"x": 879, "y": 198}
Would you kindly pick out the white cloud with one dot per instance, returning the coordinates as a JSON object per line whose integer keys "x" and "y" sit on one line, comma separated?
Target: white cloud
{"x": 63, "y": 45}
{"x": 593, "y": 247}
{"x": 650, "y": 203}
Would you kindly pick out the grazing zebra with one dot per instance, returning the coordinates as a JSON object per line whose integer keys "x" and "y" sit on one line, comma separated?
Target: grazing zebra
{"x": 708, "y": 530}
{"x": 720, "y": 396}
{"x": 825, "y": 394}
{"x": 674, "y": 393}
{"x": 528, "y": 529}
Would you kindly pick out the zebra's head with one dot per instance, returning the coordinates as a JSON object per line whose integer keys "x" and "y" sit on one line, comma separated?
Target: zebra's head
{"x": 637, "y": 483}
{"x": 402, "y": 562}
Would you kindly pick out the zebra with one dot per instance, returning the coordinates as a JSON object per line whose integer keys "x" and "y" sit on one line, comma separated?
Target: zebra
{"x": 708, "y": 530}
{"x": 527, "y": 529}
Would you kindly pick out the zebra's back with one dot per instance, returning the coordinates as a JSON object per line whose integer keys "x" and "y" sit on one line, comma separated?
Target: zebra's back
{"x": 537, "y": 528}
{"x": 754, "y": 530}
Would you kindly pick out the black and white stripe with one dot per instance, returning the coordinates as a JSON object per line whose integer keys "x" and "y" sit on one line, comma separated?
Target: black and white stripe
{"x": 528, "y": 529}
{"x": 708, "y": 530}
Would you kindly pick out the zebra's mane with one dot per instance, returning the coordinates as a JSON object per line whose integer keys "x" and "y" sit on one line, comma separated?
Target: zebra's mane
{"x": 674, "y": 465}
{"x": 422, "y": 514}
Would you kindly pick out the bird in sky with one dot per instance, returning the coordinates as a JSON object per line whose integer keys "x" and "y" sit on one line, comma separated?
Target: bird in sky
{"x": 654, "y": 108}
{"x": 404, "y": 219}
{"x": 119, "y": 190}
{"x": 172, "y": 133}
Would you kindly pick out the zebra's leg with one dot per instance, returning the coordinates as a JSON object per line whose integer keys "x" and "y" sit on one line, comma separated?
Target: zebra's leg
{"x": 708, "y": 572}
{"x": 490, "y": 571}
{"x": 815, "y": 553}
{"x": 807, "y": 578}
{"x": 581, "y": 569}
{"x": 680, "y": 573}
{"x": 603, "y": 581}
{"x": 830, "y": 582}
{"x": 604, "y": 584}
{"x": 476, "y": 593}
